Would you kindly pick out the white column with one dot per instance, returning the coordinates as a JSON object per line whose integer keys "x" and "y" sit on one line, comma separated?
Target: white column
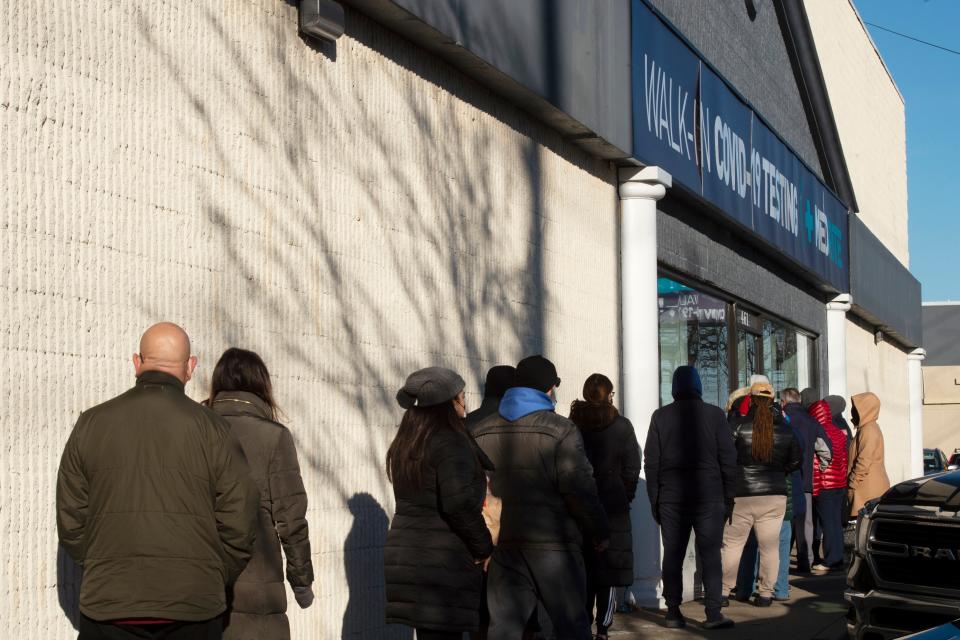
{"x": 640, "y": 189}
{"x": 915, "y": 377}
{"x": 837, "y": 346}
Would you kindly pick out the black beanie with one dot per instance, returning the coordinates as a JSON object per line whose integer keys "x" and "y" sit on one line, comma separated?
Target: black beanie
{"x": 499, "y": 379}
{"x": 536, "y": 372}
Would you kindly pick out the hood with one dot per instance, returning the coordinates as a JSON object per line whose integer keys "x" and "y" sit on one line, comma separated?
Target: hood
{"x": 820, "y": 410}
{"x": 837, "y": 404}
{"x": 593, "y": 416}
{"x": 867, "y": 406}
{"x": 686, "y": 383}
{"x": 942, "y": 490}
{"x": 522, "y": 401}
{"x": 807, "y": 397}
{"x": 736, "y": 395}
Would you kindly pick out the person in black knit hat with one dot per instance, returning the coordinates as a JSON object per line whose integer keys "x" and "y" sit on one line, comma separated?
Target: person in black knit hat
{"x": 550, "y": 505}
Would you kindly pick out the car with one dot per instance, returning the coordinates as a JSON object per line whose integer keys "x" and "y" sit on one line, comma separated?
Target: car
{"x": 934, "y": 462}
{"x": 904, "y": 576}
{"x": 949, "y": 631}
{"x": 954, "y": 461}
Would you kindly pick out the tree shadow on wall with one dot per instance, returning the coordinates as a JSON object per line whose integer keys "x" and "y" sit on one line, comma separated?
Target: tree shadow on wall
{"x": 363, "y": 562}
{"x": 69, "y": 577}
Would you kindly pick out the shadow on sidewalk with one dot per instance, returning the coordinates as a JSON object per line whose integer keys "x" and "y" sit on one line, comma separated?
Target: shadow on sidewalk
{"x": 816, "y": 611}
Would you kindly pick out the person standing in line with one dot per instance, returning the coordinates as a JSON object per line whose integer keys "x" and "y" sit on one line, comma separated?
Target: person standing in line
{"x": 749, "y": 562}
{"x": 613, "y": 451}
{"x": 550, "y": 506}
{"x": 691, "y": 474}
{"x": 837, "y": 406}
{"x": 816, "y": 453}
{"x": 829, "y": 491}
{"x": 242, "y": 393}
{"x": 156, "y": 503}
{"x": 438, "y": 545}
{"x": 866, "y": 474}
{"x": 499, "y": 379}
{"x": 766, "y": 451}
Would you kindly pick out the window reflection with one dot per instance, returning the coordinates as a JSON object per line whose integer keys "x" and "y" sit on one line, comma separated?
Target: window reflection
{"x": 693, "y": 331}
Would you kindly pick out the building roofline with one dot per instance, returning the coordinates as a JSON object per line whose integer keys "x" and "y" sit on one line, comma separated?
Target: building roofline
{"x": 876, "y": 50}
{"x": 941, "y": 303}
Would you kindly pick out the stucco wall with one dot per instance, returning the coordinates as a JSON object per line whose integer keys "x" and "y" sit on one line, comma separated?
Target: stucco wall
{"x": 870, "y": 116}
{"x": 882, "y": 369}
{"x": 350, "y": 212}
{"x": 941, "y": 407}
{"x": 941, "y": 427}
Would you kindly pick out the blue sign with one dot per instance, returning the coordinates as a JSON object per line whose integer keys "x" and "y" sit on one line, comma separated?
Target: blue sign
{"x": 725, "y": 127}
{"x": 665, "y": 78}
{"x": 689, "y": 121}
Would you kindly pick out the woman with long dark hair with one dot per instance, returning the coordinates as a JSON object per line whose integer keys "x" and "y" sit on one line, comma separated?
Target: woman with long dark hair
{"x": 241, "y": 391}
{"x": 767, "y": 451}
{"x": 438, "y": 544}
{"x": 612, "y": 448}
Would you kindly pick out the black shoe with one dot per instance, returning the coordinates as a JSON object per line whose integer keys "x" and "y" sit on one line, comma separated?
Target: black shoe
{"x": 674, "y": 619}
{"x": 724, "y": 601}
{"x": 762, "y": 602}
{"x": 718, "y": 622}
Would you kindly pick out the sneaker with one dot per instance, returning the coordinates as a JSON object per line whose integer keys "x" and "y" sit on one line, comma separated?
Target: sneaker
{"x": 724, "y": 601}
{"x": 719, "y": 622}
{"x": 675, "y": 619}
{"x": 820, "y": 569}
{"x": 777, "y": 598}
{"x": 762, "y": 602}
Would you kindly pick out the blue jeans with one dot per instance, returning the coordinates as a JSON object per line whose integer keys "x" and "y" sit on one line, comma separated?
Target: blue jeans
{"x": 749, "y": 564}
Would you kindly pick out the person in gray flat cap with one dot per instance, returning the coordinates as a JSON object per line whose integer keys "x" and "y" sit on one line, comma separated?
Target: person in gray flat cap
{"x": 438, "y": 544}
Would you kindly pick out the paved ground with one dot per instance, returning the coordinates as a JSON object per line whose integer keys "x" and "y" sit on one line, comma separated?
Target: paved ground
{"x": 816, "y": 611}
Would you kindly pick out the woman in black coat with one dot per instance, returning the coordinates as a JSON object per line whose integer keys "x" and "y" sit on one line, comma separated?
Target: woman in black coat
{"x": 438, "y": 544}
{"x": 612, "y": 448}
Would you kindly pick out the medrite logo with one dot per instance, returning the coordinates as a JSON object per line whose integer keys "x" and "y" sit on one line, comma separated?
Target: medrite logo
{"x": 827, "y": 236}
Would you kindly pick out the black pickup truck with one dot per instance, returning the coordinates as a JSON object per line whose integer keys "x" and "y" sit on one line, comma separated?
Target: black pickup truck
{"x": 905, "y": 573}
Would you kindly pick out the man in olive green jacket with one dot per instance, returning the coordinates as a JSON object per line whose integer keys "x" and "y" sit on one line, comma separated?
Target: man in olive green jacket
{"x": 155, "y": 502}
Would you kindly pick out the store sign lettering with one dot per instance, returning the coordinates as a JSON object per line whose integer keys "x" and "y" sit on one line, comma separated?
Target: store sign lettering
{"x": 730, "y": 158}
{"x": 662, "y": 120}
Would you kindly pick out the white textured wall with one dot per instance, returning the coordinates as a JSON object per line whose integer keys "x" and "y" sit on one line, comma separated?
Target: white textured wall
{"x": 352, "y": 213}
{"x": 870, "y": 116}
{"x": 882, "y": 369}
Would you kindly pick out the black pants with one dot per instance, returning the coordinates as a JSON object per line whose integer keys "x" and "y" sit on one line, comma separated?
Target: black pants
{"x": 518, "y": 580}
{"x": 605, "y": 600}
{"x": 208, "y": 630}
{"x": 427, "y": 634}
{"x": 828, "y": 507}
{"x": 676, "y": 523}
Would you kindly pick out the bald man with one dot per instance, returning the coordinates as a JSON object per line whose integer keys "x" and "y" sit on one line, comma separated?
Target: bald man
{"x": 155, "y": 502}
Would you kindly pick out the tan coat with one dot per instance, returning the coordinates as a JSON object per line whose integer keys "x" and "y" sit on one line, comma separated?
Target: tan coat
{"x": 866, "y": 475}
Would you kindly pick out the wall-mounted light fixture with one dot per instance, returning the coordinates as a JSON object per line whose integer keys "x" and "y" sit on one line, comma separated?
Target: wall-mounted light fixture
{"x": 878, "y": 336}
{"x": 322, "y": 19}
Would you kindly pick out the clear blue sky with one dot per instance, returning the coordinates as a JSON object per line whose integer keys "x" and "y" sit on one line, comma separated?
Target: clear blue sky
{"x": 929, "y": 80}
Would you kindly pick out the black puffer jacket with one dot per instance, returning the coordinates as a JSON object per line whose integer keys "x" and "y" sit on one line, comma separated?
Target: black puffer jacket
{"x": 757, "y": 478}
{"x": 545, "y": 481}
{"x": 614, "y": 452}
{"x": 437, "y": 534}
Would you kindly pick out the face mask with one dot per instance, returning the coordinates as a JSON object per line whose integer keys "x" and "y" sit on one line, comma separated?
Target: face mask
{"x": 553, "y": 396}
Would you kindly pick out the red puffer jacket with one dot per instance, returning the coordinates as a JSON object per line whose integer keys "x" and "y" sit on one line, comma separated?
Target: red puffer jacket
{"x": 834, "y": 476}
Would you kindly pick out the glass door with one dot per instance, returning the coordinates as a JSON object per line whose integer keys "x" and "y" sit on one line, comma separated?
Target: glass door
{"x": 748, "y": 357}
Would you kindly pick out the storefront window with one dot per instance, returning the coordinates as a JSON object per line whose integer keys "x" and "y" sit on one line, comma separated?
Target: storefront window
{"x": 727, "y": 343}
{"x": 693, "y": 331}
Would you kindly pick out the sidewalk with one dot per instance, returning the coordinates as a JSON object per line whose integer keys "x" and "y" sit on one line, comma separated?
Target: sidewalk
{"x": 816, "y": 611}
